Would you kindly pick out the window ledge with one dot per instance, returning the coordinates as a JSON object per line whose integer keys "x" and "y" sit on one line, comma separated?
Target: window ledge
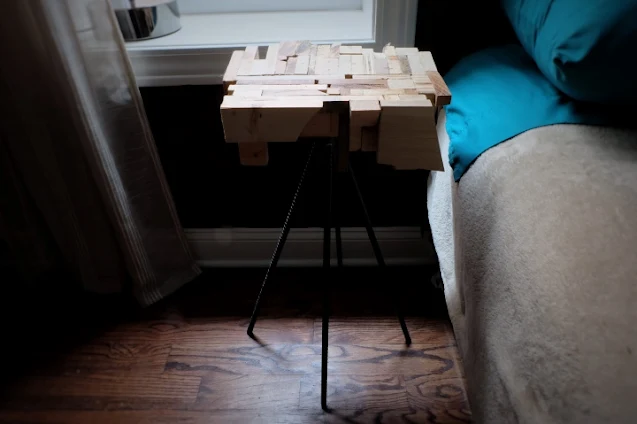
{"x": 199, "y": 53}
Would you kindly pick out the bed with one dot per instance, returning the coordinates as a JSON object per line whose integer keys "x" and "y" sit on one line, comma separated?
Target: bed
{"x": 537, "y": 245}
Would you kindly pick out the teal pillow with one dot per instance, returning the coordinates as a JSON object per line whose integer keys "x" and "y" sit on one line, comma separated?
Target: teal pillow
{"x": 499, "y": 93}
{"x": 587, "y": 48}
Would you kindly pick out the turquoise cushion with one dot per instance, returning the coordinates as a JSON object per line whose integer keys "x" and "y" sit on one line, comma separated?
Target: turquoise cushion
{"x": 499, "y": 93}
{"x": 587, "y": 48}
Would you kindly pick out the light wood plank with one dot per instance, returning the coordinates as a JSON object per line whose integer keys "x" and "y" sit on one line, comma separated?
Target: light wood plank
{"x": 335, "y": 51}
{"x": 333, "y": 66}
{"x": 345, "y": 64}
{"x": 290, "y": 69}
{"x": 427, "y": 61}
{"x": 406, "y": 51}
{"x": 407, "y": 137}
{"x": 251, "y": 53}
{"x": 302, "y": 65}
{"x": 358, "y": 65}
{"x": 277, "y": 121}
{"x": 287, "y": 49}
{"x": 272, "y": 58}
{"x": 400, "y": 84}
{"x": 394, "y": 64}
{"x": 259, "y": 67}
{"x": 233, "y": 68}
{"x": 281, "y": 66}
{"x": 415, "y": 65}
{"x": 381, "y": 64}
{"x": 324, "y": 50}
{"x": 443, "y": 95}
{"x": 353, "y": 50}
{"x": 313, "y": 54}
{"x": 362, "y": 114}
{"x": 290, "y": 87}
{"x": 303, "y": 48}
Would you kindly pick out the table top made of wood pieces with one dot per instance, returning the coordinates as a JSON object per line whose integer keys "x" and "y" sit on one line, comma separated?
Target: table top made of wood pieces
{"x": 393, "y": 100}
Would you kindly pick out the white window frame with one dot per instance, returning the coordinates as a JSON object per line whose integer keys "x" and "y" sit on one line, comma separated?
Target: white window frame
{"x": 188, "y": 58}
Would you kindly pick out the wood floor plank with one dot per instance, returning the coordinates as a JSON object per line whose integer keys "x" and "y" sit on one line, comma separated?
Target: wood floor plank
{"x": 385, "y": 330}
{"x": 443, "y": 398}
{"x": 355, "y": 392}
{"x": 228, "y": 329}
{"x": 159, "y": 417}
{"x": 249, "y": 392}
{"x": 103, "y": 357}
{"x": 204, "y": 359}
{"x": 391, "y": 360}
{"x": 100, "y": 391}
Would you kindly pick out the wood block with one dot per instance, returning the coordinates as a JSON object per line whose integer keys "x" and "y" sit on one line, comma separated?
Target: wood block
{"x": 345, "y": 64}
{"x": 333, "y": 66}
{"x": 323, "y": 124}
{"x": 406, "y": 51}
{"x": 405, "y": 68}
{"x": 259, "y": 67}
{"x": 415, "y": 65}
{"x": 381, "y": 65}
{"x": 324, "y": 50}
{"x": 272, "y": 57}
{"x": 368, "y": 55}
{"x": 283, "y": 120}
{"x": 281, "y": 66}
{"x": 251, "y": 53}
{"x": 400, "y": 84}
{"x": 245, "y": 69}
{"x": 394, "y": 65}
{"x": 443, "y": 95}
{"x": 312, "y": 65}
{"x": 407, "y": 137}
{"x": 427, "y": 61}
{"x": 321, "y": 65}
{"x": 288, "y": 93}
{"x": 389, "y": 51}
{"x": 335, "y": 51}
{"x": 375, "y": 92}
{"x": 230, "y": 77}
{"x": 302, "y": 65}
{"x": 275, "y": 80}
{"x": 369, "y": 83}
{"x": 380, "y": 77}
{"x": 290, "y": 87}
{"x": 369, "y": 139}
{"x": 354, "y": 50}
{"x": 421, "y": 79}
{"x": 303, "y": 48}
{"x": 253, "y": 154}
{"x": 334, "y": 91}
{"x": 362, "y": 114}
{"x": 290, "y": 69}
{"x": 394, "y": 97}
{"x": 358, "y": 64}
{"x": 287, "y": 49}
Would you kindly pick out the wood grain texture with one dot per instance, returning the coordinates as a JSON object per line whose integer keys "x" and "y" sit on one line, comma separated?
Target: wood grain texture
{"x": 188, "y": 359}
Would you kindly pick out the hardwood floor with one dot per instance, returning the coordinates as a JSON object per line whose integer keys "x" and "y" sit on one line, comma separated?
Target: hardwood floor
{"x": 189, "y": 360}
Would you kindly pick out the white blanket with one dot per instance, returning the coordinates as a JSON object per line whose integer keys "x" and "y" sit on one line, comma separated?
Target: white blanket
{"x": 541, "y": 282}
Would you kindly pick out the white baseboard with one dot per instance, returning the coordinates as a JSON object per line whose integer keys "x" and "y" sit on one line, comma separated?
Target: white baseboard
{"x": 244, "y": 247}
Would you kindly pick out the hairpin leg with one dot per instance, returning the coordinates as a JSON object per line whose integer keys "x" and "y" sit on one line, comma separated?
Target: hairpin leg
{"x": 281, "y": 243}
{"x": 379, "y": 255}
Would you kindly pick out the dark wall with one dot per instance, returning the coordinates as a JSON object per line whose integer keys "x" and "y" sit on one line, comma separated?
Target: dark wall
{"x": 210, "y": 187}
{"x": 453, "y": 29}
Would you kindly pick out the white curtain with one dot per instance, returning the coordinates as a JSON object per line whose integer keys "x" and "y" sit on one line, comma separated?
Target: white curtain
{"x": 81, "y": 184}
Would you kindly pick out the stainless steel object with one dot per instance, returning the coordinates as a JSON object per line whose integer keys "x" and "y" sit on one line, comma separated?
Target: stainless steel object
{"x": 152, "y": 19}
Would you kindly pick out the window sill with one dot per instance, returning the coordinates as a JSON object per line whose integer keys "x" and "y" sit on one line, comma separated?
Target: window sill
{"x": 190, "y": 57}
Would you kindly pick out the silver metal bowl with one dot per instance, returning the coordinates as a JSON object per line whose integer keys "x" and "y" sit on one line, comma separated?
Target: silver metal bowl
{"x": 143, "y": 23}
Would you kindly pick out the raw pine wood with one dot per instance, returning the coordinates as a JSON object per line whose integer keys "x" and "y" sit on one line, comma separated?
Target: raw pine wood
{"x": 407, "y": 135}
{"x": 362, "y": 114}
{"x": 202, "y": 368}
{"x": 267, "y": 103}
{"x": 443, "y": 95}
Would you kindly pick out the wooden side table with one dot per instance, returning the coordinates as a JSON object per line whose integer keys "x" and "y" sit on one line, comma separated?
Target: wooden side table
{"x": 354, "y": 98}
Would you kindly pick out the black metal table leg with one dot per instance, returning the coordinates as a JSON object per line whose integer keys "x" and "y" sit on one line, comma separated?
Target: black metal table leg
{"x": 281, "y": 243}
{"x": 378, "y": 254}
{"x": 327, "y": 232}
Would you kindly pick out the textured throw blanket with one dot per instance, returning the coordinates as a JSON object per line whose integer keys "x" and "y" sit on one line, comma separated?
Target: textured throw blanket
{"x": 541, "y": 282}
